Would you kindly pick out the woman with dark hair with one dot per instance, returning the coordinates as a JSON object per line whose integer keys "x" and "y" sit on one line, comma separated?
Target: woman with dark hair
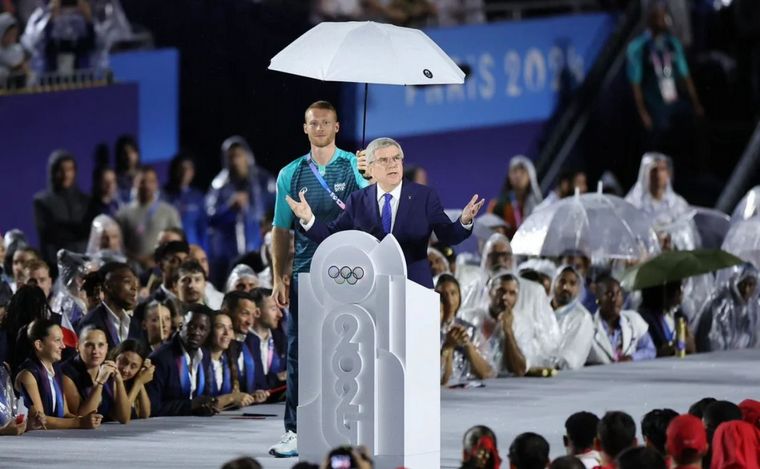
{"x": 93, "y": 384}
{"x": 127, "y": 155}
{"x": 222, "y": 367}
{"x": 460, "y": 358}
{"x": 40, "y": 382}
{"x": 189, "y": 201}
{"x": 519, "y": 195}
{"x": 136, "y": 370}
{"x": 27, "y": 304}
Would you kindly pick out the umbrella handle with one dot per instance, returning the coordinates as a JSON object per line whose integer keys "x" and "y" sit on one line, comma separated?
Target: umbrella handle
{"x": 364, "y": 120}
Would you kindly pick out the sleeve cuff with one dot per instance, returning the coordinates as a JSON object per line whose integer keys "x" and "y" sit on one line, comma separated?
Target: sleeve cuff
{"x": 307, "y": 226}
{"x": 467, "y": 226}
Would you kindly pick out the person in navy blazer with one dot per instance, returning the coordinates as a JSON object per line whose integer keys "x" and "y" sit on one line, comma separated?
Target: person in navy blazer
{"x": 171, "y": 391}
{"x": 410, "y": 211}
{"x": 120, "y": 298}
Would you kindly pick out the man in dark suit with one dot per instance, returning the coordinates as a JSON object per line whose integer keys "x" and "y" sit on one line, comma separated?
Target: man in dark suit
{"x": 178, "y": 384}
{"x": 266, "y": 339}
{"x": 114, "y": 314}
{"x": 410, "y": 211}
{"x": 240, "y": 306}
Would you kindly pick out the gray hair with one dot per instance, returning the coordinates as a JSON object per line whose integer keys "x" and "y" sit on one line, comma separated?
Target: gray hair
{"x": 380, "y": 143}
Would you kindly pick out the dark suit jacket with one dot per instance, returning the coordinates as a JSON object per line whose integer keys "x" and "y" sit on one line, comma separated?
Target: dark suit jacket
{"x": 279, "y": 362}
{"x": 419, "y": 213}
{"x": 165, "y": 391}
{"x": 98, "y": 318}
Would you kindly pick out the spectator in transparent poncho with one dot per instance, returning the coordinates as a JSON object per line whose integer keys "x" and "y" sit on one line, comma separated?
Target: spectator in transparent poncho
{"x": 496, "y": 257}
{"x": 105, "y": 235}
{"x": 68, "y": 297}
{"x": 461, "y": 360}
{"x": 729, "y": 319}
{"x": 520, "y": 194}
{"x": 653, "y": 192}
{"x": 242, "y": 278}
{"x": 574, "y": 320}
{"x": 9, "y": 406}
{"x": 519, "y": 307}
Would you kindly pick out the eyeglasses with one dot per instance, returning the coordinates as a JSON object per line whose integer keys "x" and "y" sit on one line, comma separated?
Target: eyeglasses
{"x": 385, "y": 161}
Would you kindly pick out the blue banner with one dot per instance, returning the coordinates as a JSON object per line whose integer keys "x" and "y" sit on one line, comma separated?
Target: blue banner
{"x": 517, "y": 72}
{"x": 157, "y": 74}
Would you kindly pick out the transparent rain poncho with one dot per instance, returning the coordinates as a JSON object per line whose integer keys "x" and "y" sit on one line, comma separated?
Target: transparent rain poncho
{"x": 534, "y": 326}
{"x": 8, "y": 402}
{"x": 748, "y": 207}
{"x": 240, "y": 271}
{"x": 474, "y": 280}
{"x": 576, "y": 328}
{"x": 665, "y": 211}
{"x": 72, "y": 267}
{"x": 728, "y": 321}
{"x": 105, "y": 235}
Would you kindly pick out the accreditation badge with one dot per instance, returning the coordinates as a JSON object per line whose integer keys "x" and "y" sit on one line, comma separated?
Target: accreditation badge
{"x": 668, "y": 89}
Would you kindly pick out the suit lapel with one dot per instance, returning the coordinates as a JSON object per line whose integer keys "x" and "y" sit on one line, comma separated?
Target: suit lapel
{"x": 601, "y": 338}
{"x": 404, "y": 204}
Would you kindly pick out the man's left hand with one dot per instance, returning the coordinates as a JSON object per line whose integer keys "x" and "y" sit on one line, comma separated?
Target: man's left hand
{"x": 472, "y": 209}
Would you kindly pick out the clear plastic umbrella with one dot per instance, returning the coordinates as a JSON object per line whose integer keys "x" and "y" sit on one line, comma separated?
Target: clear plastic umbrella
{"x": 743, "y": 240}
{"x": 602, "y": 226}
{"x": 713, "y": 225}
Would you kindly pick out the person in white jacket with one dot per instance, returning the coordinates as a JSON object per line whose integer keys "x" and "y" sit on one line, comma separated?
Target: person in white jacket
{"x": 619, "y": 335}
{"x": 574, "y": 320}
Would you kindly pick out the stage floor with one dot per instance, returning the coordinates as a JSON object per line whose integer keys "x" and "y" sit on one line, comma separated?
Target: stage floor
{"x": 509, "y": 406}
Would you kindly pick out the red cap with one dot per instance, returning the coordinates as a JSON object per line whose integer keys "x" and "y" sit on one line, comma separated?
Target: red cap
{"x": 686, "y": 432}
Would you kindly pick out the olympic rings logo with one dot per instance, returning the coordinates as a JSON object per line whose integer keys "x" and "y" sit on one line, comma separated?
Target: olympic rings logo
{"x": 345, "y": 274}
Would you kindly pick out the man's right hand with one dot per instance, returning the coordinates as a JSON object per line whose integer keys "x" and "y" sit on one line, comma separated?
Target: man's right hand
{"x": 281, "y": 291}
{"x": 507, "y": 319}
{"x": 301, "y": 209}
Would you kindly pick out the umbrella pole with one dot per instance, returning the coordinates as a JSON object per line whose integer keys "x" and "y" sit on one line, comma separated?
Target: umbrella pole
{"x": 364, "y": 122}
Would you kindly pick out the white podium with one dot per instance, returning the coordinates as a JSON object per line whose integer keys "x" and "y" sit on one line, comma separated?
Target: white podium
{"x": 369, "y": 355}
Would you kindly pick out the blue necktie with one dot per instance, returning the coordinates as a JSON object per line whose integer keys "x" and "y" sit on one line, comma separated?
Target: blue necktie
{"x": 386, "y": 215}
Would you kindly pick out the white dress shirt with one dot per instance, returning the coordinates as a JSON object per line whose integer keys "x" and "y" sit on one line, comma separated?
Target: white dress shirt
{"x": 193, "y": 363}
{"x": 218, "y": 373}
{"x": 264, "y": 350}
{"x": 51, "y": 377}
{"x": 120, "y": 323}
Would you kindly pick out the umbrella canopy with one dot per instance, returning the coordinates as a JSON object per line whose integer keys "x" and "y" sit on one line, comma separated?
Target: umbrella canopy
{"x": 712, "y": 225}
{"x": 601, "y": 225}
{"x": 368, "y": 52}
{"x": 676, "y": 265}
{"x": 743, "y": 240}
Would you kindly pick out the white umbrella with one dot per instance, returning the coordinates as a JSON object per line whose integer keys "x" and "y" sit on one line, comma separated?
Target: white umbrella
{"x": 368, "y": 52}
{"x": 600, "y": 225}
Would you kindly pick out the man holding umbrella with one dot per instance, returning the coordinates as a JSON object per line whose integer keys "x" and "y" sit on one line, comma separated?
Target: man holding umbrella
{"x": 325, "y": 176}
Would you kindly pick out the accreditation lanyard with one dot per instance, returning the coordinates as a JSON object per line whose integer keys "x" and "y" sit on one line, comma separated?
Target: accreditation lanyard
{"x": 323, "y": 183}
